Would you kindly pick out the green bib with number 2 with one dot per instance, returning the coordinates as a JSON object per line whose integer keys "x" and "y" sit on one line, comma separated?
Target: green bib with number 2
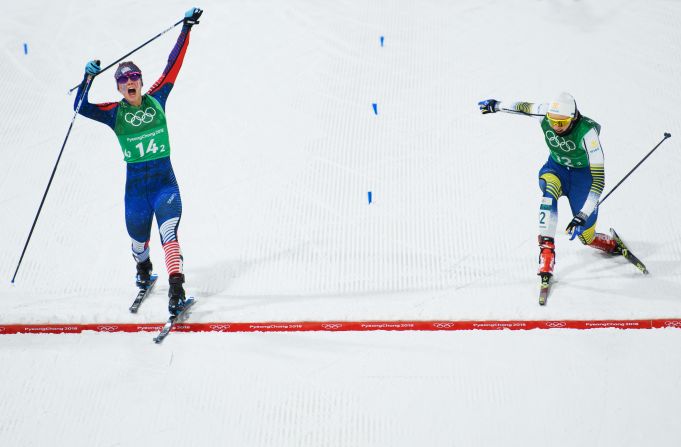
{"x": 142, "y": 131}
{"x": 569, "y": 150}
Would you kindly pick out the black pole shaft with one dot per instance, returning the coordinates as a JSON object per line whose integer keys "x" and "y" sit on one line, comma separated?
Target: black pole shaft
{"x": 54, "y": 170}
{"x": 666, "y": 135}
{"x": 128, "y": 54}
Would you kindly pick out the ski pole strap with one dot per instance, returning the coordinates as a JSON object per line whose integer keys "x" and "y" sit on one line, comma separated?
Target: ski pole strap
{"x": 128, "y": 54}
{"x": 666, "y": 135}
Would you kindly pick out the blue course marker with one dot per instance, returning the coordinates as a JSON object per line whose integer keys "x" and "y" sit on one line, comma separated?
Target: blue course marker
{"x": 369, "y": 197}
{"x": 375, "y": 106}
{"x": 382, "y": 40}
{"x": 25, "y": 48}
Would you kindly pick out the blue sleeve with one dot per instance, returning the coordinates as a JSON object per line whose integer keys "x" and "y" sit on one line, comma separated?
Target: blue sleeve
{"x": 104, "y": 113}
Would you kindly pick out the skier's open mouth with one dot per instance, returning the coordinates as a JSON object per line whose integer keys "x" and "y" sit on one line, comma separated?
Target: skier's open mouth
{"x": 132, "y": 91}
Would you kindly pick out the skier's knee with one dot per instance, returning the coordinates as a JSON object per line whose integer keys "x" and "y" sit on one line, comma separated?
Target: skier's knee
{"x": 168, "y": 230}
{"x": 140, "y": 250}
{"x": 550, "y": 185}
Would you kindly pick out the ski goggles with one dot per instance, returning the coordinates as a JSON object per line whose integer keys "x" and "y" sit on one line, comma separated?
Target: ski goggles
{"x": 559, "y": 122}
{"x": 134, "y": 76}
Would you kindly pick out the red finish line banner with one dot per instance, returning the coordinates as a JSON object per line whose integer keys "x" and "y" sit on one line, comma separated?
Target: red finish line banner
{"x": 341, "y": 326}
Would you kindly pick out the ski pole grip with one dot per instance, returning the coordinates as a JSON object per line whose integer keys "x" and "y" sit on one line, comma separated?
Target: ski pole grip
{"x": 667, "y": 135}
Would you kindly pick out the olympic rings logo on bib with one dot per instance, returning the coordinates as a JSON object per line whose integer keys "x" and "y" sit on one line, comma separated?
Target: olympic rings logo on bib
{"x": 140, "y": 117}
{"x": 559, "y": 142}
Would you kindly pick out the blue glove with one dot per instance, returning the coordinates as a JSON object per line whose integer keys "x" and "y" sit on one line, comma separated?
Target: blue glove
{"x": 488, "y": 106}
{"x": 191, "y": 17}
{"x": 576, "y": 225}
{"x": 92, "y": 68}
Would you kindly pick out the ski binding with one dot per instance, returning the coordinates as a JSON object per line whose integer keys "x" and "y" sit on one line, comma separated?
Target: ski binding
{"x": 142, "y": 294}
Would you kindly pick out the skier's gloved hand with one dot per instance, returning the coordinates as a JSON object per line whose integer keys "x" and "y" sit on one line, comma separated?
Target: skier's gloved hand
{"x": 488, "y": 106}
{"x": 576, "y": 226}
{"x": 191, "y": 17}
{"x": 92, "y": 68}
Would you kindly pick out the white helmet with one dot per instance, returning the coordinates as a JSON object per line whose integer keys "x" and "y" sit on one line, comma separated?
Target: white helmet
{"x": 563, "y": 105}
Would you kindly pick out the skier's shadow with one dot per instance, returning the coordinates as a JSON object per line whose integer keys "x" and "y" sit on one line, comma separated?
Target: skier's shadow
{"x": 216, "y": 279}
{"x": 643, "y": 249}
{"x": 610, "y": 268}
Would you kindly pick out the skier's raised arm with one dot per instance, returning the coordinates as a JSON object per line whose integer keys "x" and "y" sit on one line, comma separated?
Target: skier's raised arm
{"x": 165, "y": 83}
{"x": 104, "y": 112}
{"x": 518, "y": 108}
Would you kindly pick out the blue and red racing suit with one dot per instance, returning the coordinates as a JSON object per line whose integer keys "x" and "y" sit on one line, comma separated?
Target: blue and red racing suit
{"x": 151, "y": 188}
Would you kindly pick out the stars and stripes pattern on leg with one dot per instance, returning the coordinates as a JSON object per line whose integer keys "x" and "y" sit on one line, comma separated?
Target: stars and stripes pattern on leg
{"x": 173, "y": 257}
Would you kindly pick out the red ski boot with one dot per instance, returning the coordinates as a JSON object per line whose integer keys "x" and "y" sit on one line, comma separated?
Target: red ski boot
{"x": 547, "y": 258}
{"x": 606, "y": 243}
{"x": 547, "y": 255}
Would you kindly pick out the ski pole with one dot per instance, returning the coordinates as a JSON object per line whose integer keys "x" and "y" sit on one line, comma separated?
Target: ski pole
{"x": 54, "y": 170}
{"x": 128, "y": 54}
{"x": 666, "y": 135}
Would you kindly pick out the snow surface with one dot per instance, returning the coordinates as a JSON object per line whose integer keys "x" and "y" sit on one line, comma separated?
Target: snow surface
{"x": 275, "y": 146}
{"x": 606, "y": 387}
